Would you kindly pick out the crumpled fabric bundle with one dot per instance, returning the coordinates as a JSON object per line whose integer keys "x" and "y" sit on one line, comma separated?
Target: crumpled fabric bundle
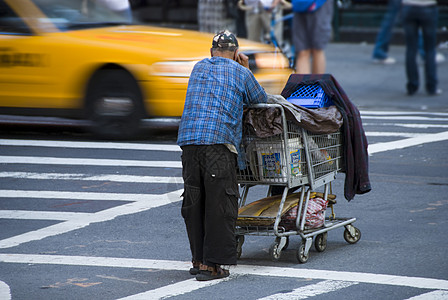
{"x": 262, "y": 122}
{"x": 266, "y": 122}
{"x": 315, "y": 214}
{"x": 315, "y": 120}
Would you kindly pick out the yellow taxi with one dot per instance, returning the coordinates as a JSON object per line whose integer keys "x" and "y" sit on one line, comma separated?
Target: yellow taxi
{"x": 76, "y": 59}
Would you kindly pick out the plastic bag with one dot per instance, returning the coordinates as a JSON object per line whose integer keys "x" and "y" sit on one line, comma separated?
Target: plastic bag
{"x": 315, "y": 215}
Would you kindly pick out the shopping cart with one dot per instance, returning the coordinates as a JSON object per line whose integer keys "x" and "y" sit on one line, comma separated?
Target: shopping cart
{"x": 294, "y": 159}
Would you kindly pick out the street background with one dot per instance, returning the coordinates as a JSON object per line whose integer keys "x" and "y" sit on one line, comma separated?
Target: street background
{"x": 133, "y": 240}
{"x": 382, "y": 87}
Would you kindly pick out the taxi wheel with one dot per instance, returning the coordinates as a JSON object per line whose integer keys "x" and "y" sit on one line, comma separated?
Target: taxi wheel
{"x": 114, "y": 104}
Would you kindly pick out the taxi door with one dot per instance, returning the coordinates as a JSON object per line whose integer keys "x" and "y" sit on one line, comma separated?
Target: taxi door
{"x": 25, "y": 78}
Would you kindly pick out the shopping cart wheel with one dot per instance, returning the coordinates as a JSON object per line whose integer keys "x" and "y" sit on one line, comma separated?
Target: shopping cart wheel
{"x": 320, "y": 242}
{"x": 301, "y": 256}
{"x": 275, "y": 250}
{"x": 239, "y": 245}
{"x": 351, "y": 234}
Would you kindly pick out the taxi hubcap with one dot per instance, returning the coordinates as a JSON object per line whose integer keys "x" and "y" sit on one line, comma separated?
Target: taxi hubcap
{"x": 114, "y": 106}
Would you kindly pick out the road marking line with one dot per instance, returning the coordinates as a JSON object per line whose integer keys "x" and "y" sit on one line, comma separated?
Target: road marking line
{"x": 386, "y": 134}
{"x": 311, "y": 290}
{"x": 409, "y": 125}
{"x": 90, "y": 145}
{"x": 400, "y": 144}
{"x": 85, "y": 220}
{"x": 5, "y": 292}
{"x": 417, "y": 282}
{"x": 88, "y": 162}
{"x": 115, "y": 262}
{"x": 403, "y": 118}
{"x": 121, "y": 279}
{"x": 434, "y": 295}
{"x": 41, "y": 215}
{"x": 78, "y": 195}
{"x": 388, "y": 113}
{"x": 88, "y": 177}
{"x": 176, "y": 289}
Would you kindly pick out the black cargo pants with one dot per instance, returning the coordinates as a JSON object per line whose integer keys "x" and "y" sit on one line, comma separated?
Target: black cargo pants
{"x": 210, "y": 204}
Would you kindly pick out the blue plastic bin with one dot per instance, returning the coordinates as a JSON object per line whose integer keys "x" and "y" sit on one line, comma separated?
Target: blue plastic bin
{"x": 310, "y": 96}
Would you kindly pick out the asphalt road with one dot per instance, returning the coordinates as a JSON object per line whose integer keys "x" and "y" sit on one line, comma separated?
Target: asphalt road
{"x": 86, "y": 219}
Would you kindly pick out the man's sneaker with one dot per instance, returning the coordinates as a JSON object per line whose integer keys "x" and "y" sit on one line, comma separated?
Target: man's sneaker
{"x": 385, "y": 61}
{"x": 436, "y": 92}
{"x": 210, "y": 273}
{"x": 440, "y": 58}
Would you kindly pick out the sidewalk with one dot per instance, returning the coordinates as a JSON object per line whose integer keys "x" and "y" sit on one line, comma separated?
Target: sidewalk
{"x": 382, "y": 87}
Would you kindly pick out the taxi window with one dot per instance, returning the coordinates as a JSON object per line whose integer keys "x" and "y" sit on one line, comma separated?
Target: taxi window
{"x": 10, "y": 23}
{"x": 77, "y": 14}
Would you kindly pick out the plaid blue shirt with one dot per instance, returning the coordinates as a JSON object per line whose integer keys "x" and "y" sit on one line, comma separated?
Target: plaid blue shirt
{"x": 217, "y": 91}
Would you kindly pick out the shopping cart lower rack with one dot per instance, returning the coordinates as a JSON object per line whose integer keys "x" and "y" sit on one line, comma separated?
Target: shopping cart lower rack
{"x": 294, "y": 159}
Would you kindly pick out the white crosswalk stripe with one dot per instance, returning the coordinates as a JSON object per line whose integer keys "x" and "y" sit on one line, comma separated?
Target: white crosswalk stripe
{"x": 89, "y": 177}
{"x": 408, "y": 125}
{"x": 403, "y": 118}
{"x": 90, "y": 145}
{"x": 410, "y": 142}
{"x": 76, "y": 195}
{"x": 5, "y": 292}
{"x": 81, "y": 221}
{"x": 311, "y": 290}
{"x": 175, "y": 289}
{"x": 43, "y": 160}
{"x": 41, "y": 215}
{"x": 434, "y": 295}
{"x": 401, "y": 113}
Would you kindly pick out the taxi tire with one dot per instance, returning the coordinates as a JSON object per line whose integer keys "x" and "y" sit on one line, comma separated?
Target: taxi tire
{"x": 118, "y": 84}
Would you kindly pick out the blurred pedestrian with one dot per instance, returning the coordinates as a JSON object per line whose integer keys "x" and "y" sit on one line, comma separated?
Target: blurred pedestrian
{"x": 259, "y": 16}
{"x": 216, "y": 15}
{"x": 421, "y": 15}
{"x": 381, "y": 49}
{"x": 311, "y": 33}
{"x": 392, "y": 17}
{"x": 120, "y": 7}
{"x": 210, "y": 133}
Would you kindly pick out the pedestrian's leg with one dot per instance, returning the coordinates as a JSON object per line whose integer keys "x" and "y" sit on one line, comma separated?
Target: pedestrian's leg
{"x": 253, "y": 26}
{"x": 429, "y": 17}
{"x": 384, "y": 36}
{"x": 303, "y": 64}
{"x": 421, "y": 46}
{"x": 319, "y": 61}
{"x": 320, "y": 36}
{"x": 265, "y": 24}
{"x": 193, "y": 203}
{"x": 221, "y": 206}
{"x": 411, "y": 28}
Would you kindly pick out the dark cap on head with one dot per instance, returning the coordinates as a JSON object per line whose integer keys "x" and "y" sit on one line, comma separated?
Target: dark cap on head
{"x": 225, "y": 40}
